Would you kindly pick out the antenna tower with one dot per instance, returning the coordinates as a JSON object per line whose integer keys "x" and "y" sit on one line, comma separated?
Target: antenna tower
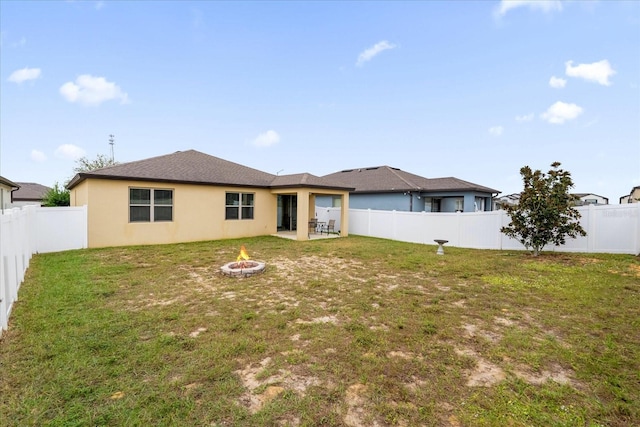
{"x": 111, "y": 139}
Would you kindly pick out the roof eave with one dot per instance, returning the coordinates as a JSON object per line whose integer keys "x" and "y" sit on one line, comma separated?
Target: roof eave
{"x": 83, "y": 176}
{"x": 322, "y": 187}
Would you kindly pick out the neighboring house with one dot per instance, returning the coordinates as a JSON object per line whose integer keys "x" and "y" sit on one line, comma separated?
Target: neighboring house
{"x": 590, "y": 199}
{"x": 192, "y": 196}
{"x": 29, "y": 193}
{"x": 581, "y": 199}
{"x": 632, "y": 197}
{"x": 508, "y": 200}
{"x": 389, "y": 188}
{"x": 6, "y": 188}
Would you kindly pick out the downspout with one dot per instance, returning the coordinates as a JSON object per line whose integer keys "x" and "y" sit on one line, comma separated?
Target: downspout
{"x": 12, "y": 190}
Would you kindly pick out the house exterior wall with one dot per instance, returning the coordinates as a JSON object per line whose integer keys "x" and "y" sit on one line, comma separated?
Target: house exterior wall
{"x": 198, "y": 214}
{"x": 414, "y": 202}
{"x": 5, "y": 197}
{"x": 386, "y": 202}
{"x": 593, "y": 199}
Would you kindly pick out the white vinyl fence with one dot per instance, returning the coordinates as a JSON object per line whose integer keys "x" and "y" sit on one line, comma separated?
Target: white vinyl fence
{"x": 610, "y": 228}
{"x": 30, "y": 230}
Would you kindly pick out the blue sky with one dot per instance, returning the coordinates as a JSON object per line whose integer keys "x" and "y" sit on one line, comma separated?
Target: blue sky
{"x": 474, "y": 90}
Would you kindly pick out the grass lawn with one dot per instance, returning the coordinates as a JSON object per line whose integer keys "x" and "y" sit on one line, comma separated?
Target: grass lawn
{"x": 345, "y": 332}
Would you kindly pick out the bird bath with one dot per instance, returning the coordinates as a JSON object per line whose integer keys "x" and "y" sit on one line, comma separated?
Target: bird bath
{"x": 440, "y": 242}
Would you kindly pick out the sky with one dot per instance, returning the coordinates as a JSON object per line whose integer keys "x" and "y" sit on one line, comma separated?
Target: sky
{"x": 470, "y": 89}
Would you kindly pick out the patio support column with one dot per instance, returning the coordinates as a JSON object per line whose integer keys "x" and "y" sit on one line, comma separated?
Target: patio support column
{"x": 302, "y": 233}
{"x": 344, "y": 215}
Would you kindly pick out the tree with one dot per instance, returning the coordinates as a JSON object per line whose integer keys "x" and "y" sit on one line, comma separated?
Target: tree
{"x": 545, "y": 213}
{"x": 83, "y": 164}
{"x": 56, "y": 196}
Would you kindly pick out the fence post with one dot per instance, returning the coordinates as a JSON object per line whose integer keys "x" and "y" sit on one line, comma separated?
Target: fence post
{"x": 394, "y": 220}
{"x": 592, "y": 229}
{"x": 499, "y": 217}
{"x": 637, "y": 239}
{"x": 3, "y": 280}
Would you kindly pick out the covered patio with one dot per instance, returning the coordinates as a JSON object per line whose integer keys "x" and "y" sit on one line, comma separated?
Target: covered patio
{"x": 296, "y": 206}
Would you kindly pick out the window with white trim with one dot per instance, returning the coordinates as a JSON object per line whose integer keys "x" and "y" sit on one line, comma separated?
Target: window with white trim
{"x": 150, "y": 205}
{"x": 239, "y": 205}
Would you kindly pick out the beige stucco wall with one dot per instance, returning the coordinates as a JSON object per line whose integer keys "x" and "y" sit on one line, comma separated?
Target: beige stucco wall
{"x": 198, "y": 214}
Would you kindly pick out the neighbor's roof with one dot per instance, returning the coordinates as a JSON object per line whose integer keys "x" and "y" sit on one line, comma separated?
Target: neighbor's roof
{"x": 30, "y": 191}
{"x": 8, "y": 183}
{"x": 194, "y": 167}
{"x": 387, "y": 179}
{"x": 589, "y": 194}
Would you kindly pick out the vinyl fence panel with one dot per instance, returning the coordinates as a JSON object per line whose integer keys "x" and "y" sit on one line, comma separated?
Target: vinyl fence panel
{"x": 29, "y": 230}
{"x": 610, "y": 228}
{"x": 61, "y": 228}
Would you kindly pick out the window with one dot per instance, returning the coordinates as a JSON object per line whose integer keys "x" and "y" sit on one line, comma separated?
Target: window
{"x": 239, "y": 206}
{"x": 150, "y": 205}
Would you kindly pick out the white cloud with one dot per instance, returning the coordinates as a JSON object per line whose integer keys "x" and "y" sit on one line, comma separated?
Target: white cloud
{"x": 543, "y": 5}
{"x": 525, "y": 118}
{"x": 370, "y": 53}
{"x": 38, "y": 156}
{"x": 560, "y": 112}
{"x": 90, "y": 90}
{"x": 598, "y": 72}
{"x": 21, "y": 43}
{"x": 24, "y": 74}
{"x": 557, "y": 82}
{"x": 267, "y": 139}
{"x": 496, "y": 130}
{"x": 99, "y": 5}
{"x": 69, "y": 152}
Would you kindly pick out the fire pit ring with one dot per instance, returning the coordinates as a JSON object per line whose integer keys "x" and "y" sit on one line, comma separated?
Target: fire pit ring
{"x": 242, "y": 268}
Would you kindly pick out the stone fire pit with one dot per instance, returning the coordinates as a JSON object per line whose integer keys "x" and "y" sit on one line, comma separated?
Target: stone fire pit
{"x": 243, "y": 266}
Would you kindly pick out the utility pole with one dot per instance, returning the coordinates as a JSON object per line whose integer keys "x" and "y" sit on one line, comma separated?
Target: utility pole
{"x": 111, "y": 139}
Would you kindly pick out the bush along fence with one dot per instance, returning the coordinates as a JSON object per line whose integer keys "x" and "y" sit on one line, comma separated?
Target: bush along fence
{"x": 610, "y": 228}
{"x": 30, "y": 230}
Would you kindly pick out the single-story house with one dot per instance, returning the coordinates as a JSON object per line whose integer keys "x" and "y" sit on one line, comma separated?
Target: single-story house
{"x": 389, "y": 188}
{"x": 581, "y": 199}
{"x": 29, "y": 193}
{"x": 632, "y": 197}
{"x": 192, "y": 196}
{"x": 507, "y": 200}
{"x": 590, "y": 199}
{"x": 6, "y": 188}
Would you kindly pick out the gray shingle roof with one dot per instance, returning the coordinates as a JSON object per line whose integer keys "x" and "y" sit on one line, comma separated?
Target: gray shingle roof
{"x": 194, "y": 167}
{"x": 387, "y": 179}
{"x": 307, "y": 180}
{"x": 30, "y": 191}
